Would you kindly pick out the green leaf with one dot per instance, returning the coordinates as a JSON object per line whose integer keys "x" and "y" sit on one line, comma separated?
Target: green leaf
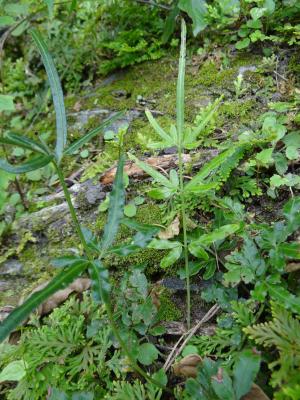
{"x": 257, "y": 13}
{"x": 62, "y": 280}
{"x": 292, "y": 152}
{"x": 6, "y": 20}
{"x": 50, "y": 5}
{"x": 197, "y": 11}
{"x": 242, "y": 44}
{"x": 23, "y": 142}
{"x": 16, "y": 9}
{"x": 147, "y": 353}
{"x": 208, "y": 168}
{"x": 157, "y": 176}
{"x": 130, "y": 210}
{"x": 171, "y": 257}
{"x": 163, "y": 244}
{"x": 167, "y": 139}
{"x": 198, "y": 251}
{"x": 100, "y": 282}
{"x": 264, "y": 157}
{"x": 180, "y": 83}
{"x": 222, "y": 385}
{"x": 31, "y": 165}
{"x": 6, "y": 103}
{"x": 57, "y": 94}
{"x": 161, "y": 193}
{"x": 245, "y": 370}
{"x": 170, "y": 23}
{"x": 90, "y": 135}
{"x": 210, "y": 269}
{"x": 217, "y": 234}
{"x": 116, "y": 206}
{"x": 66, "y": 261}
{"x": 14, "y": 371}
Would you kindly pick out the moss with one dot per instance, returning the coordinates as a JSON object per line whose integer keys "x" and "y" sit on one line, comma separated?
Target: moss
{"x": 209, "y": 75}
{"x": 236, "y": 113}
{"x": 168, "y": 311}
{"x": 294, "y": 66}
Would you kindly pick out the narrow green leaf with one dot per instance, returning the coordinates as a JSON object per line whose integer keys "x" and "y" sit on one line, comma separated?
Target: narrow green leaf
{"x": 171, "y": 257}
{"x": 63, "y": 279}
{"x": 215, "y": 235}
{"x": 57, "y": 94}
{"x": 90, "y": 135}
{"x": 116, "y": 206}
{"x": 159, "y": 130}
{"x": 157, "y": 176}
{"x": 31, "y": 165}
{"x": 24, "y": 142}
{"x": 100, "y": 281}
{"x": 208, "y": 168}
{"x": 180, "y": 84}
{"x": 207, "y": 118}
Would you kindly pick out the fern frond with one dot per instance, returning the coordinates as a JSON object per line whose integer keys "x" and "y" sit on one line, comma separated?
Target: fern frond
{"x": 283, "y": 333}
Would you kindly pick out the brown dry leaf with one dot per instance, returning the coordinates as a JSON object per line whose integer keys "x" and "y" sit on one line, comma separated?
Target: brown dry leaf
{"x": 166, "y": 162}
{"x": 256, "y": 393}
{"x": 292, "y": 267}
{"x": 171, "y": 231}
{"x": 187, "y": 367}
{"x": 78, "y": 286}
{"x": 77, "y": 106}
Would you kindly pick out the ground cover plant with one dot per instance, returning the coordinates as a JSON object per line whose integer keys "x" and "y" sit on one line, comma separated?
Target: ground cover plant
{"x": 157, "y": 242}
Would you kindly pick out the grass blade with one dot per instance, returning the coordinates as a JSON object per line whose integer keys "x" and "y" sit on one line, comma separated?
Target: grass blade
{"x": 89, "y": 136}
{"x": 31, "y": 165}
{"x": 57, "y": 94}
{"x": 63, "y": 279}
{"x": 116, "y": 206}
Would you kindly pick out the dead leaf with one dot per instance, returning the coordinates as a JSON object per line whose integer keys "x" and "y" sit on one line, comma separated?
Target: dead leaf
{"x": 292, "y": 267}
{"x": 256, "y": 393}
{"x": 78, "y": 286}
{"x": 187, "y": 367}
{"x": 77, "y": 106}
{"x": 166, "y": 162}
{"x": 171, "y": 231}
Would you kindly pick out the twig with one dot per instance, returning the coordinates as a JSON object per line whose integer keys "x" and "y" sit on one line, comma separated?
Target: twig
{"x": 186, "y": 337}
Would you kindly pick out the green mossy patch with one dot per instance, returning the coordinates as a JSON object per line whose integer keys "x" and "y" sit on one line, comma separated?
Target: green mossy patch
{"x": 168, "y": 311}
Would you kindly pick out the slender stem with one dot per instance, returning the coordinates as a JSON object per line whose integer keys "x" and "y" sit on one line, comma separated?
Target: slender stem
{"x": 185, "y": 241}
{"x": 90, "y": 257}
{"x": 72, "y": 211}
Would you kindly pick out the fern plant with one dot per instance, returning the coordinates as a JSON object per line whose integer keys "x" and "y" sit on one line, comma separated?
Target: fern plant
{"x": 283, "y": 334}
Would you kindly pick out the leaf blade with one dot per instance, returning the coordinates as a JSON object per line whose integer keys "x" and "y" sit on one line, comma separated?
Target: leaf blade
{"x": 21, "y": 313}
{"x": 31, "y": 165}
{"x": 57, "y": 93}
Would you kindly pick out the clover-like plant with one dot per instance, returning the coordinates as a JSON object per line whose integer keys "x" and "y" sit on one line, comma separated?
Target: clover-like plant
{"x": 94, "y": 249}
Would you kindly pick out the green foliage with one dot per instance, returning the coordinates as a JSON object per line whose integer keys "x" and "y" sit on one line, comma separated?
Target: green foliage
{"x": 282, "y": 333}
{"x": 213, "y": 382}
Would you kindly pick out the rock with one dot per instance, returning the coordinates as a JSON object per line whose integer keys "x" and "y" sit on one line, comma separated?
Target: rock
{"x": 91, "y": 192}
{"x": 247, "y": 68}
{"x": 178, "y": 285}
{"x": 82, "y": 117}
{"x": 124, "y": 120}
{"x": 170, "y": 150}
{"x": 120, "y": 93}
{"x": 11, "y": 267}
